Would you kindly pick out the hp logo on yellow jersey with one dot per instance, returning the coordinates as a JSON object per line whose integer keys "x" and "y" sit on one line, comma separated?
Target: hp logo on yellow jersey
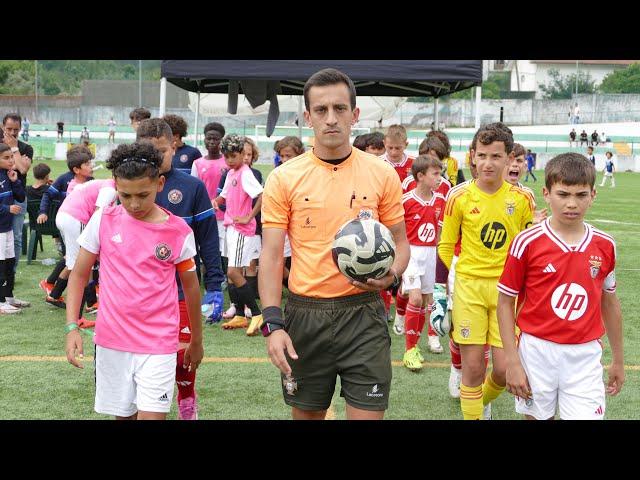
{"x": 493, "y": 235}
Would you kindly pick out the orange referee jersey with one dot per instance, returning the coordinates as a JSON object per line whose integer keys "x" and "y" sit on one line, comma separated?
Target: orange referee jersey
{"x": 312, "y": 199}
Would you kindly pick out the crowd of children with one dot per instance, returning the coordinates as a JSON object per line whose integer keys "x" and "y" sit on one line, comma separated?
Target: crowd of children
{"x": 168, "y": 210}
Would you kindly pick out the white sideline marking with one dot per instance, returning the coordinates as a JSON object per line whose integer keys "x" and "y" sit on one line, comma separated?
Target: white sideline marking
{"x": 604, "y": 220}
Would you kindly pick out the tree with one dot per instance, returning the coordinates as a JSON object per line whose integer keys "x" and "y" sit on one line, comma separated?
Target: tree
{"x": 562, "y": 87}
{"x": 626, "y": 80}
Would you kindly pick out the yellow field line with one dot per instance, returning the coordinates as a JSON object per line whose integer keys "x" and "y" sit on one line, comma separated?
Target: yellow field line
{"x": 88, "y": 358}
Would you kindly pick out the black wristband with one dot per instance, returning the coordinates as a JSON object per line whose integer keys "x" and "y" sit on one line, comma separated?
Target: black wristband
{"x": 272, "y": 315}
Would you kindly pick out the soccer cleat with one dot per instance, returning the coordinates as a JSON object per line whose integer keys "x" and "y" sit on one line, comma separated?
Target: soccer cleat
{"x": 398, "y": 325}
{"x": 16, "y": 302}
{"x": 236, "y": 322}
{"x": 92, "y": 309}
{"x": 434, "y": 344}
{"x": 5, "y": 308}
{"x": 46, "y": 286}
{"x": 254, "y": 327}
{"x": 230, "y": 313}
{"x": 411, "y": 360}
{"x": 455, "y": 377}
{"x": 188, "y": 408}
{"x": 83, "y": 323}
{"x": 486, "y": 412}
{"x": 420, "y": 357}
{"x": 56, "y": 302}
{"x": 247, "y": 312}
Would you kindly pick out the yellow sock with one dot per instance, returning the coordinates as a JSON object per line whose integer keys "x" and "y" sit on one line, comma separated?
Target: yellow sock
{"x": 471, "y": 402}
{"x": 490, "y": 390}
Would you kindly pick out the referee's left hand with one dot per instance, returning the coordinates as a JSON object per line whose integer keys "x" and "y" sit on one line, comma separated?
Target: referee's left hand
{"x": 374, "y": 285}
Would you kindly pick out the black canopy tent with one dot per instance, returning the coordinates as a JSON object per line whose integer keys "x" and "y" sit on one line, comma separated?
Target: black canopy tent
{"x": 262, "y": 80}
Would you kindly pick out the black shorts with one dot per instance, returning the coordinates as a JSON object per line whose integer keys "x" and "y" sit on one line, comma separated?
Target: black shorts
{"x": 346, "y": 336}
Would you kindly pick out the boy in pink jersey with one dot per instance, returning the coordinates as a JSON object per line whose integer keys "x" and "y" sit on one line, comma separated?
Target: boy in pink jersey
{"x": 141, "y": 246}
{"x": 209, "y": 169}
{"x": 239, "y": 189}
{"x": 79, "y": 163}
{"x": 423, "y": 212}
{"x": 562, "y": 272}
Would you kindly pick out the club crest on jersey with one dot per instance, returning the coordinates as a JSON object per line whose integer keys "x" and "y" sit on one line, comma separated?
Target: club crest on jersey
{"x": 365, "y": 214}
{"x": 163, "y": 251}
{"x": 184, "y": 158}
{"x": 290, "y": 385}
{"x": 175, "y": 196}
{"x": 511, "y": 207}
{"x": 595, "y": 263}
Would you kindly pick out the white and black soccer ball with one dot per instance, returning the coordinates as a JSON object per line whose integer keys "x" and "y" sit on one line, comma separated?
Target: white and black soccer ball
{"x": 362, "y": 249}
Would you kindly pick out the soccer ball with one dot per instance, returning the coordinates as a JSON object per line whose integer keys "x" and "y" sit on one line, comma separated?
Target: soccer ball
{"x": 439, "y": 317}
{"x": 362, "y": 249}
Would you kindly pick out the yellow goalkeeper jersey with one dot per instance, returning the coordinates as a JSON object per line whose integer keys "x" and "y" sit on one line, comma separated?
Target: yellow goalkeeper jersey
{"x": 487, "y": 224}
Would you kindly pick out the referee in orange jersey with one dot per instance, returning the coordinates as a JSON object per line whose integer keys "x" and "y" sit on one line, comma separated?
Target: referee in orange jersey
{"x": 331, "y": 326}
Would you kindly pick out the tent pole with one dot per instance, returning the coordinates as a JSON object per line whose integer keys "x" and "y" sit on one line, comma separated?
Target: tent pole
{"x": 163, "y": 96}
{"x": 300, "y": 117}
{"x": 436, "y": 116}
{"x": 195, "y": 126}
{"x": 478, "y": 99}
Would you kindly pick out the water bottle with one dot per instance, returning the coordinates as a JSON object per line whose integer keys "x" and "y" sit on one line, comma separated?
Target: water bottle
{"x": 206, "y": 309}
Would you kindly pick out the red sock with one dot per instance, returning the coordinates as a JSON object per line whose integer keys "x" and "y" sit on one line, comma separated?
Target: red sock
{"x": 386, "y": 298}
{"x": 487, "y": 350}
{"x": 423, "y": 318}
{"x": 456, "y": 359}
{"x": 185, "y": 379}
{"x": 412, "y": 326}
{"x": 401, "y": 304}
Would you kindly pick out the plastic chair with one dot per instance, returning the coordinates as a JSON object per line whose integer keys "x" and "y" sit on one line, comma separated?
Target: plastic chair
{"x": 36, "y": 230}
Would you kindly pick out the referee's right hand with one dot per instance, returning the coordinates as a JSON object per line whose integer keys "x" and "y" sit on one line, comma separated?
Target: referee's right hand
{"x": 277, "y": 343}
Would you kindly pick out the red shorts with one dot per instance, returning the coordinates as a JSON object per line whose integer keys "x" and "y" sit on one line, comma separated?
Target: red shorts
{"x": 184, "y": 337}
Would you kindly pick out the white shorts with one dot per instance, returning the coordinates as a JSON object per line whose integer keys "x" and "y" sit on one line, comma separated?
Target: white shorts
{"x": 221, "y": 236}
{"x": 567, "y": 377}
{"x": 451, "y": 279}
{"x": 70, "y": 229}
{"x": 240, "y": 249}
{"x": 608, "y": 174}
{"x": 256, "y": 254}
{"x": 421, "y": 271}
{"x": 287, "y": 246}
{"x": 127, "y": 382}
{"x": 6, "y": 245}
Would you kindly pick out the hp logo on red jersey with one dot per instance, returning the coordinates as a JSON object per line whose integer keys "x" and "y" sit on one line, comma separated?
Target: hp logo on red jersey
{"x": 426, "y": 232}
{"x": 569, "y": 301}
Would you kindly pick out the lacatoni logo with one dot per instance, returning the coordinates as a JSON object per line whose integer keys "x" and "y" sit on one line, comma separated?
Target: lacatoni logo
{"x": 426, "y": 232}
{"x": 374, "y": 392}
{"x": 569, "y": 301}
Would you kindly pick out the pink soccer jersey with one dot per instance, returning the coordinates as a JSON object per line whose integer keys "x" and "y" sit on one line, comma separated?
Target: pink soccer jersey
{"x": 559, "y": 287}
{"x": 239, "y": 189}
{"x": 84, "y": 199}
{"x": 210, "y": 172}
{"x": 138, "y": 292}
{"x": 423, "y": 219}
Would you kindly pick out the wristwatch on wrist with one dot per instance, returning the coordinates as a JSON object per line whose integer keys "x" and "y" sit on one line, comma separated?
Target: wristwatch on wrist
{"x": 272, "y": 320}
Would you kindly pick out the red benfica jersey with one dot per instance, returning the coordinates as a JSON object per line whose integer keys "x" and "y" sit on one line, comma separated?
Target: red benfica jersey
{"x": 559, "y": 287}
{"x": 423, "y": 219}
{"x": 410, "y": 183}
{"x": 403, "y": 169}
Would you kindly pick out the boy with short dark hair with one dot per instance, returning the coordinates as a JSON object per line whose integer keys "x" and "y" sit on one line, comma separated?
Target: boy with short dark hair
{"x": 567, "y": 269}
{"x": 137, "y": 115}
{"x": 609, "y": 168}
{"x": 485, "y": 213}
{"x": 41, "y": 174}
{"x": 185, "y": 154}
{"x": 11, "y": 189}
{"x": 375, "y": 144}
{"x": 423, "y": 212}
